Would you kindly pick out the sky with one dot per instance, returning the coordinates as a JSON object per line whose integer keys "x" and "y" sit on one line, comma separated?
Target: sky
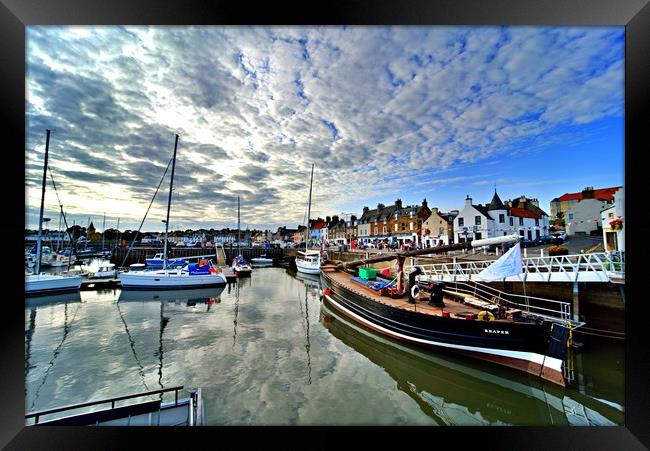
{"x": 382, "y": 113}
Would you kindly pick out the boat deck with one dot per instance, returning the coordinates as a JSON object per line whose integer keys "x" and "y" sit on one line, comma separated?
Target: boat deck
{"x": 456, "y": 307}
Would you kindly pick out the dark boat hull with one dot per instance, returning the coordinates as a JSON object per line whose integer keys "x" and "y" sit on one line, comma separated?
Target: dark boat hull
{"x": 520, "y": 345}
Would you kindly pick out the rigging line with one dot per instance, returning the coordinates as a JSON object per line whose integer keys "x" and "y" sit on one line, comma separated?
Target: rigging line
{"x": 146, "y": 213}
{"x": 65, "y": 220}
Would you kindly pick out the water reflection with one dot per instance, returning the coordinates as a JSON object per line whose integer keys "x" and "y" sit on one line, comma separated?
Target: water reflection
{"x": 460, "y": 392}
{"x": 69, "y": 299}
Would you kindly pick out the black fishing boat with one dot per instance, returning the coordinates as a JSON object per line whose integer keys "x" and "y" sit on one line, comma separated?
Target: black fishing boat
{"x": 427, "y": 316}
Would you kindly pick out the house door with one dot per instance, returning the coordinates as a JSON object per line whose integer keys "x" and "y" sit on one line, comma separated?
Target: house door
{"x": 611, "y": 241}
{"x": 530, "y": 235}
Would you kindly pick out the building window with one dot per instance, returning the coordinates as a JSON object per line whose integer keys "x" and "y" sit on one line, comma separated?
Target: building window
{"x": 521, "y": 221}
{"x": 403, "y": 226}
{"x": 570, "y": 216}
{"x": 511, "y": 221}
{"x": 536, "y": 222}
{"x": 411, "y": 226}
{"x": 461, "y": 222}
{"x": 502, "y": 218}
{"x": 376, "y": 231}
{"x": 396, "y": 227}
{"x": 477, "y": 220}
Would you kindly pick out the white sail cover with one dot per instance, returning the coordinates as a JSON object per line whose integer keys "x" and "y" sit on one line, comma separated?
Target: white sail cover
{"x": 509, "y": 264}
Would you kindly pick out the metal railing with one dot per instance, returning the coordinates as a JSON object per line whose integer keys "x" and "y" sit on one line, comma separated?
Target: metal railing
{"x": 40, "y": 413}
{"x": 595, "y": 267}
{"x": 532, "y": 306}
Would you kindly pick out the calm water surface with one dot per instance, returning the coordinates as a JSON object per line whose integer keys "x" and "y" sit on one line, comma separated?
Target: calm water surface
{"x": 268, "y": 351}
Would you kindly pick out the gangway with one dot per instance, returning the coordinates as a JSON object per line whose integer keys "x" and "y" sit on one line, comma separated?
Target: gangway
{"x": 594, "y": 267}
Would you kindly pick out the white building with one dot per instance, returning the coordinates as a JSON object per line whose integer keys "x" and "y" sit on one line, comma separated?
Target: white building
{"x": 614, "y": 237}
{"x": 520, "y": 216}
{"x": 585, "y": 217}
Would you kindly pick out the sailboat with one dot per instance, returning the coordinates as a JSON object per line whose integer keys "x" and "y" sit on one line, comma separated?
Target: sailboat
{"x": 309, "y": 261}
{"x": 240, "y": 266}
{"x": 37, "y": 283}
{"x": 192, "y": 275}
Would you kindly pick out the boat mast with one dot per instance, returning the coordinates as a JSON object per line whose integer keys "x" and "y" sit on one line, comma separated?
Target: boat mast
{"x": 238, "y": 229}
{"x": 169, "y": 204}
{"x": 39, "y": 248}
{"x": 309, "y": 206}
{"x": 103, "y": 231}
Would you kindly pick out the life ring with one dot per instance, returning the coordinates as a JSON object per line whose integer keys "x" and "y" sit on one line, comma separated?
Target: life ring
{"x": 415, "y": 291}
{"x": 483, "y": 314}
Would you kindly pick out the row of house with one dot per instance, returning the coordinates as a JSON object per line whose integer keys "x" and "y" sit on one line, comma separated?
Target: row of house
{"x": 424, "y": 226}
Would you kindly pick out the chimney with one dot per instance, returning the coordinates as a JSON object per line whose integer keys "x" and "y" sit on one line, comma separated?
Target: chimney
{"x": 434, "y": 210}
{"x": 365, "y": 209}
{"x": 398, "y": 203}
{"x": 522, "y": 201}
{"x": 535, "y": 202}
{"x": 468, "y": 200}
{"x": 424, "y": 203}
{"x": 588, "y": 193}
{"x": 380, "y": 206}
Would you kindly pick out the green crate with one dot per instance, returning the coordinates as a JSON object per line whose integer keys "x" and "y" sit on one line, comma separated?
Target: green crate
{"x": 368, "y": 273}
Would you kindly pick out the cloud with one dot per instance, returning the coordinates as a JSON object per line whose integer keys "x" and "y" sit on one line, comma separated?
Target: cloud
{"x": 256, "y": 106}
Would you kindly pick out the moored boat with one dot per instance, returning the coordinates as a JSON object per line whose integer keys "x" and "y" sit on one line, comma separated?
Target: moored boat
{"x": 425, "y": 316}
{"x": 262, "y": 260}
{"x": 240, "y": 266}
{"x": 308, "y": 261}
{"x": 105, "y": 271}
{"x": 191, "y": 275}
{"x": 37, "y": 283}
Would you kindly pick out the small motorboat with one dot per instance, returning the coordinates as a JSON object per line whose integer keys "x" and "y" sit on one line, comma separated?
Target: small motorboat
{"x": 105, "y": 271}
{"x": 262, "y": 261}
{"x": 240, "y": 266}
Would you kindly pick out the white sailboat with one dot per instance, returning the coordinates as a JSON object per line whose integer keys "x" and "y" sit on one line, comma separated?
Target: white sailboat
{"x": 37, "y": 283}
{"x": 240, "y": 266}
{"x": 192, "y": 275}
{"x": 309, "y": 261}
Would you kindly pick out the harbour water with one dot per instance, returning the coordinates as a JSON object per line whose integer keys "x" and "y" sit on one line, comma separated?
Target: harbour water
{"x": 267, "y": 350}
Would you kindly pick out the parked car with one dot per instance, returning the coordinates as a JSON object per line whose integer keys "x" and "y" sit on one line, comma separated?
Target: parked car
{"x": 561, "y": 235}
{"x": 528, "y": 243}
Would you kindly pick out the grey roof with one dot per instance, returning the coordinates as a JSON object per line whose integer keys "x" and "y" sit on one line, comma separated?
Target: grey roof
{"x": 483, "y": 210}
{"x": 495, "y": 203}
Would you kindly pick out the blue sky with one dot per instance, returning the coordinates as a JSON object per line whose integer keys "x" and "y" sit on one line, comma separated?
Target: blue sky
{"x": 382, "y": 112}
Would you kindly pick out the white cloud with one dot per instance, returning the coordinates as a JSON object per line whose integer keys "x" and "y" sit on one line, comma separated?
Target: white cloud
{"x": 432, "y": 98}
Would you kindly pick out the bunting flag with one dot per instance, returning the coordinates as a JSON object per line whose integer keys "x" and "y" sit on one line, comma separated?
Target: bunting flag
{"x": 509, "y": 264}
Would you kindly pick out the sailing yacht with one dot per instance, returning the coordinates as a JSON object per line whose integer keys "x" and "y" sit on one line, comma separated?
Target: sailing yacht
{"x": 192, "y": 275}
{"x": 309, "y": 261}
{"x": 240, "y": 266}
{"x": 37, "y": 283}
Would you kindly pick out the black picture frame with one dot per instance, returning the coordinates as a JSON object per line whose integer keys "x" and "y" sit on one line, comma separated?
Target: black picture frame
{"x": 15, "y": 15}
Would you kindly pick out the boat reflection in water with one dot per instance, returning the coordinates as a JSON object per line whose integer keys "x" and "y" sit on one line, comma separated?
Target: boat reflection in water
{"x": 194, "y": 297}
{"x": 454, "y": 391}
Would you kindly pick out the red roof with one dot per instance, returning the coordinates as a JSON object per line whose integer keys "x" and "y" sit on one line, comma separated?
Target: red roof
{"x": 601, "y": 194}
{"x": 318, "y": 225}
{"x": 522, "y": 213}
